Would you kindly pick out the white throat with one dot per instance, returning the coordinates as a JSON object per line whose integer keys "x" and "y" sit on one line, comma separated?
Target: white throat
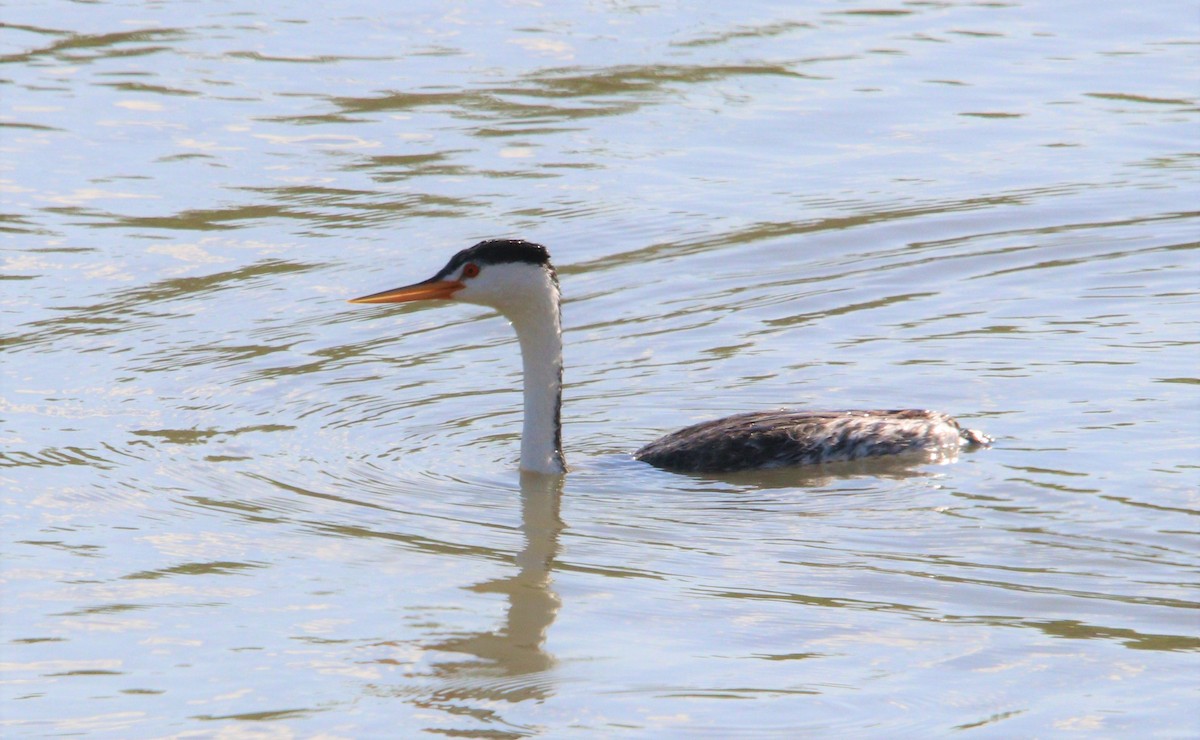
{"x": 534, "y": 313}
{"x": 541, "y": 356}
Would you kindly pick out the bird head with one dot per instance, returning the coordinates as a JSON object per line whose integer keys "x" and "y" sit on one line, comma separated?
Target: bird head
{"x": 504, "y": 274}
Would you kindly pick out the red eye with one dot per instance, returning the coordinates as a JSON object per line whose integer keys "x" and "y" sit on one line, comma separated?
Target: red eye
{"x": 470, "y": 270}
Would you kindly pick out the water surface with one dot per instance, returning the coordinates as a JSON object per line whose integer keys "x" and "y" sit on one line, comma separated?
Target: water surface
{"x": 236, "y": 505}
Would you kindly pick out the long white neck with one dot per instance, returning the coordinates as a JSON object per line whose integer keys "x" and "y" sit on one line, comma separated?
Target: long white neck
{"x": 539, "y": 331}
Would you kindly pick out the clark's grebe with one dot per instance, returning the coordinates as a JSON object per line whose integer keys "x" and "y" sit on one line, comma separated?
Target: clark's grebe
{"x": 515, "y": 277}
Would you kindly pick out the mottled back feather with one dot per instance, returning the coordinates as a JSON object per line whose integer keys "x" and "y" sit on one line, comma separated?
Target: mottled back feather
{"x": 773, "y": 439}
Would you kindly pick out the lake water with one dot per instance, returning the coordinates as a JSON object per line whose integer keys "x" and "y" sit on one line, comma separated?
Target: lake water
{"x": 236, "y": 506}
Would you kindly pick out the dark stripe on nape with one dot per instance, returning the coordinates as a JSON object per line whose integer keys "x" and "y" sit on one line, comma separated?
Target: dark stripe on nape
{"x": 558, "y": 451}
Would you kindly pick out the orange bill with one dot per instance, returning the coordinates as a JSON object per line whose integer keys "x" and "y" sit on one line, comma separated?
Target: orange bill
{"x": 423, "y": 291}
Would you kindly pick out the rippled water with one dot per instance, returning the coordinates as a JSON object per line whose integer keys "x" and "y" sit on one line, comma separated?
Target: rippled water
{"x": 236, "y": 505}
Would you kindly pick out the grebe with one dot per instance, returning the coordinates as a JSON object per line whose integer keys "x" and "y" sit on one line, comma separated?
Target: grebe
{"x": 515, "y": 277}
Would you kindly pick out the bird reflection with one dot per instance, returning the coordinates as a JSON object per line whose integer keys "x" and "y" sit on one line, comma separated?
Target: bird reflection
{"x": 510, "y": 659}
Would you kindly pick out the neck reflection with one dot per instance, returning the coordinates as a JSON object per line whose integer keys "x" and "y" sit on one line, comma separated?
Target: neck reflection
{"x": 517, "y": 648}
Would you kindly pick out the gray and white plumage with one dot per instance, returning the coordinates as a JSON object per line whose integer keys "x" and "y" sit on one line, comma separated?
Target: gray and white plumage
{"x": 516, "y": 278}
{"x": 786, "y": 438}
